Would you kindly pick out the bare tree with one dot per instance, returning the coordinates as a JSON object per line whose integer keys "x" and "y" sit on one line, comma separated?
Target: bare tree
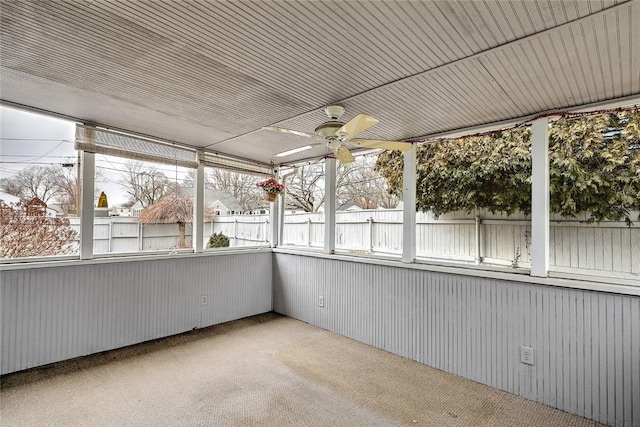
{"x": 241, "y": 186}
{"x": 364, "y": 187}
{"x": 69, "y": 191}
{"x": 145, "y": 183}
{"x": 23, "y": 235}
{"x": 34, "y": 181}
{"x": 355, "y": 182}
{"x": 305, "y": 190}
{"x": 52, "y": 184}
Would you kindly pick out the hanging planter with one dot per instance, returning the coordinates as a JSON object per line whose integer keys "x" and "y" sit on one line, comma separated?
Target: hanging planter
{"x": 271, "y": 188}
{"x": 270, "y": 197}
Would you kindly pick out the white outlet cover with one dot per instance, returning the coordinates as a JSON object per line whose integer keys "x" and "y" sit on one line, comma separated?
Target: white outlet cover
{"x": 527, "y": 355}
{"x": 321, "y": 301}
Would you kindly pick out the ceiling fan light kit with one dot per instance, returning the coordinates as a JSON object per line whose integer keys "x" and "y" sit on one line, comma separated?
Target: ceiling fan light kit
{"x": 338, "y": 135}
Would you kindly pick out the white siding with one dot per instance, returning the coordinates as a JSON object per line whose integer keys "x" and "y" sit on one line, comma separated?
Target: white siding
{"x": 587, "y": 344}
{"x": 57, "y": 313}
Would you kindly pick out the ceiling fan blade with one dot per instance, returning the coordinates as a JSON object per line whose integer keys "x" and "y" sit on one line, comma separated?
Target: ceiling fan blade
{"x": 380, "y": 143}
{"x": 356, "y": 125}
{"x": 293, "y": 132}
{"x": 343, "y": 154}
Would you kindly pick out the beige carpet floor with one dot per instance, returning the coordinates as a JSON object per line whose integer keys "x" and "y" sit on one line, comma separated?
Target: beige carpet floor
{"x": 265, "y": 370}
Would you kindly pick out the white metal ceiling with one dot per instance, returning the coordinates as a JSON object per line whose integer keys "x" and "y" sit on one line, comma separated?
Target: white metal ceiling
{"x": 212, "y": 73}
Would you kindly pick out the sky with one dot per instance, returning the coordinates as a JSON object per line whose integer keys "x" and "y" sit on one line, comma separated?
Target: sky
{"x": 28, "y": 138}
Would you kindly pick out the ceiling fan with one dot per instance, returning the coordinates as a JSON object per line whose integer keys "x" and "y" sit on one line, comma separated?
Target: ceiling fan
{"x": 338, "y": 136}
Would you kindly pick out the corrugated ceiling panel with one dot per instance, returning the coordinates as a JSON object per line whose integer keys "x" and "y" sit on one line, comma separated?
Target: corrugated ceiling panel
{"x": 522, "y": 78}
{"x": 125, "y": 65}
{"x": 460, "y": 93}
{"x": 209, "y": 72}
{"x": 577, "y": 66}
{"x": 301, "y": 46}
{"x": 451, "y": 95}
{"x": 323, "y": 50}
{"x": 116, "y": 112}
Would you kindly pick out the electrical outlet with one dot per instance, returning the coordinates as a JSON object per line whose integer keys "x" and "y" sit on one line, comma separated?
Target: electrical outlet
{"x": 321, "y": 301}
{"x": 204, "y": 299}
{"x": 527, "y": 355}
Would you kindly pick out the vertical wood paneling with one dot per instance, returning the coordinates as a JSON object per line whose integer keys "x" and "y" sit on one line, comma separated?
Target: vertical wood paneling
{"x": 587, "y": 344}
{"x": 57, "y": 313}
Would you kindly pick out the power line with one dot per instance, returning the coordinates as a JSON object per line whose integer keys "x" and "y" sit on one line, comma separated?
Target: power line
{"x": 37, "y": 139}
{"x": 29, "y": 163}
{"x": 30, "y": 155}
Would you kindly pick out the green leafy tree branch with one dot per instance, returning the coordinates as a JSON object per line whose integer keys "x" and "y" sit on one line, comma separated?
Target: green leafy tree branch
{"x": 594, "y": 167}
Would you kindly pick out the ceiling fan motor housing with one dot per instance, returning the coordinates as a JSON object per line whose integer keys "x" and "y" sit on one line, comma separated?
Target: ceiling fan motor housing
{"x": 328, "y": 129}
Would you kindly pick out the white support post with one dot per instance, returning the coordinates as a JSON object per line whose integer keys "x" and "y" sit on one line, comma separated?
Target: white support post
{"x": 409, "y": 206}
{"x": 540, "y": 197}
{"x": 329, "y": 206}
{"x": 88, "y": 166}
{"x": 197, "y": 230}
{"x": 276, "y": 212}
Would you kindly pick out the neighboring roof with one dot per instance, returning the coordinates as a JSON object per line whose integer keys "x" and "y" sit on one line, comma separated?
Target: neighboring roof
{"x": 211, "y": 196}
{"x": 8, "y": 198}
{"x": 349, "y": 206}
{"x": 212, "y": 76}
{"x": 36, "y": 202}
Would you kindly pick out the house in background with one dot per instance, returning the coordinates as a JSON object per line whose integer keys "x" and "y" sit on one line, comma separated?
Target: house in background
{"x": 222, "y": 202}
{"x": 122, "y": 211}
{"x": 34, "y": 206}
{"x": 135, "y": 209}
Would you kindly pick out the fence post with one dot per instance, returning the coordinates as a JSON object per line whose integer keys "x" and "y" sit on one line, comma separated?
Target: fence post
{"x": 110, "y": 234}
{"x": 478, "y": 255}
{"x": 370, "y": 221}
{"x": 235, "y": 231}
{"x": 308, "y": 232}
{"x": 140, "y": 245}
{"x": 266, "y": 227}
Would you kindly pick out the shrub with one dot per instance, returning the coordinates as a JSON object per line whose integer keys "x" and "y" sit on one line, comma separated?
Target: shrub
{"x": 218, "y": 240}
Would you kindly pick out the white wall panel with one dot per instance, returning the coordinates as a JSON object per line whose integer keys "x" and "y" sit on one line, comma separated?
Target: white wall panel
{"x": 587, "y": 344}
{"x": 57, "y": 313}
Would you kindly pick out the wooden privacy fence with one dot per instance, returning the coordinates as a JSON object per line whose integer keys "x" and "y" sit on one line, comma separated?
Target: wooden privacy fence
{"x": 125, "y": 234}
{"x": 575, "y": 247}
